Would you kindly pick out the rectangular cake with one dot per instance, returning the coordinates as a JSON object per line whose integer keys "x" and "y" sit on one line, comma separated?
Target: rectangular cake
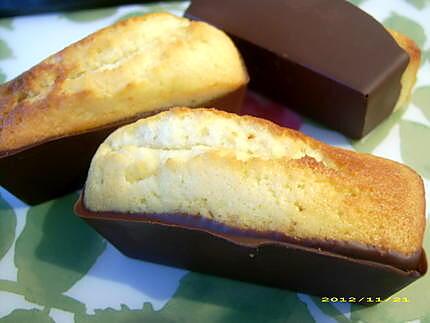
{"x": 327, "y": 59}
{"x": 54, "y": 116}
{"x": 242, "y": 197}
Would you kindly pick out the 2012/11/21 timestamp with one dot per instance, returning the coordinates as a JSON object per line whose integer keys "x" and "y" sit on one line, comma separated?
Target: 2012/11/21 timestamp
{"x": 365, "y": 300}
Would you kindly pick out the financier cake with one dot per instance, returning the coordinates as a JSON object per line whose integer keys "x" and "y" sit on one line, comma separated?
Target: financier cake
{"x": 252, "y": 175}
{"x": 329, "y": 60}
{"x": 131, "y": 69}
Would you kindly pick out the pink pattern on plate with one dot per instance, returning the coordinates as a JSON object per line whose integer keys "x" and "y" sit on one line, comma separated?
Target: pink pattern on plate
{"x": 258, "y": 106}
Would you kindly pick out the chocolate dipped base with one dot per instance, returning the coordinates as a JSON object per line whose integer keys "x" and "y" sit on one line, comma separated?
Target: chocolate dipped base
{"x": 314, "y": 267}
{"x": 328, "y": 60}
{"x": 50, "y": 169}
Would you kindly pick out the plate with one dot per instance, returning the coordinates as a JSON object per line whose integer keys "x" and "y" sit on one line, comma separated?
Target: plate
{"x": 55, "y": 268}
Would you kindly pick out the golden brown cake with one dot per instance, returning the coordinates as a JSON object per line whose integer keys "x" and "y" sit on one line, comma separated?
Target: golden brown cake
{"x": 409, "y": 76}
{"x": 251, "y": 174}
{"x": 137, "y": 66}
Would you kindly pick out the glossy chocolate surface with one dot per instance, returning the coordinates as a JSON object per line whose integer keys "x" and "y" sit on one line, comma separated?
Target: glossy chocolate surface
{"x": 56, "y": 167}
{"x": 189, "y": 242}
{"x": 325, "y": 58}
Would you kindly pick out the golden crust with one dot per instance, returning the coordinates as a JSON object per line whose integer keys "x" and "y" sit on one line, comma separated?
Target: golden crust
{"x": 409, "y": 76}
{"x": 133, "y": 67}
{"x": 250, "y": 173}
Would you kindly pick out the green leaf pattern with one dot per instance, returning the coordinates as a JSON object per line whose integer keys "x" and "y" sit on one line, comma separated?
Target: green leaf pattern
{"x": 414, "y": 139}
{"x": 419, "y": 4}
{"x": 203, "y": 298}
{"x": 356, "y": 2}
{"x": 2, "y": 77}
{"x": 425, "y": 56}
{"x": 56, "y": 249}
{"x": 7, "y": 227}
{"x": 24, "y": 316}
{"x": 6, "y": 23}
{"x": 5, "y": 51}
{"x": 406, "y": 26}
{"x": 421, "y": 99}
{"x": 90, "y": 15}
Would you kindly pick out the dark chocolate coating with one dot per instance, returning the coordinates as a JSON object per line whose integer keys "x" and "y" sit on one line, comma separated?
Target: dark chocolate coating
{"x": 244, "y": 257}
{"x": 56, "y": 167}
{"x": 325, "y": 58}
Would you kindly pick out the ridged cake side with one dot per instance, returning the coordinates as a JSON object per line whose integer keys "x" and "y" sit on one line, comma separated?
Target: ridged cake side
{"x": 249, "y": 173}
{"x": 409, "y": 76}
{"x": 139, "y": 65}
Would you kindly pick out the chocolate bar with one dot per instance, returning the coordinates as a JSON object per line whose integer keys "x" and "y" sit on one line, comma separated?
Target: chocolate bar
{"x": 327, "y": 59}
